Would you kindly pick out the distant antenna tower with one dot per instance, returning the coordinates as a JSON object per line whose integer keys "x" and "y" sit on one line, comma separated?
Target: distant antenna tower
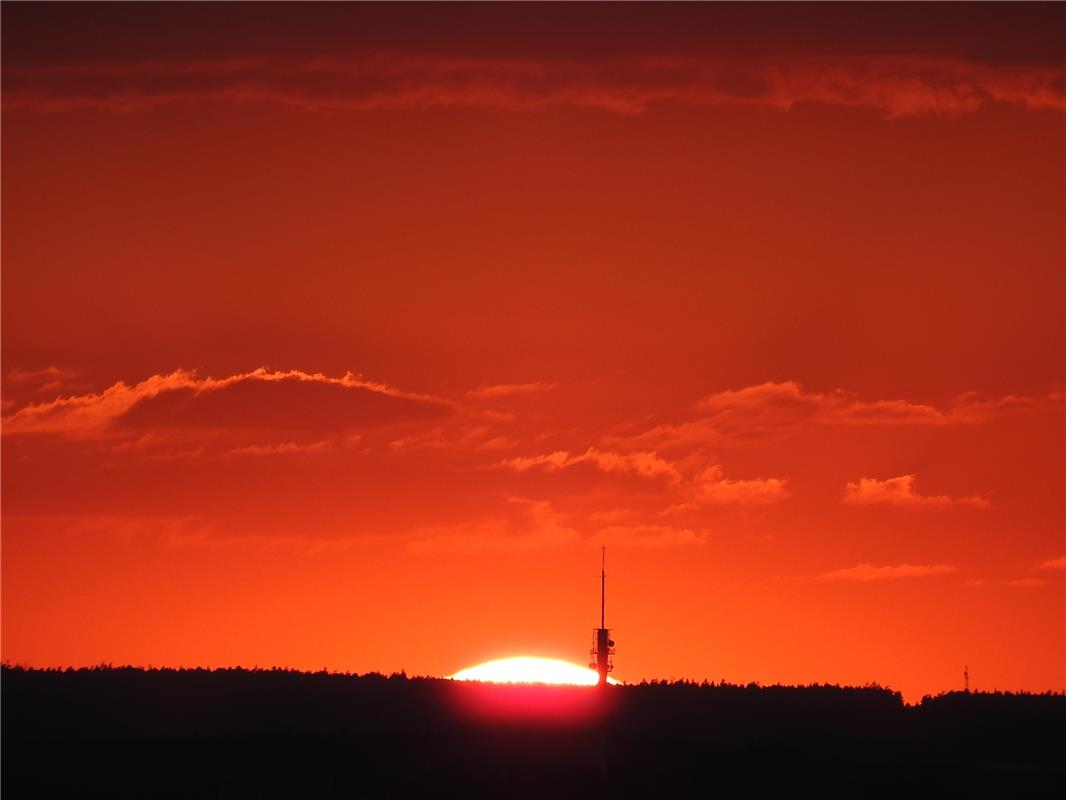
{"x": 602, "y": 644}
{"x": 966, "y": 677}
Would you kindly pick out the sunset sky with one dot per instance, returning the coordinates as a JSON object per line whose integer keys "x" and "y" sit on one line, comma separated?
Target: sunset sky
{"x": 344, "y": 336}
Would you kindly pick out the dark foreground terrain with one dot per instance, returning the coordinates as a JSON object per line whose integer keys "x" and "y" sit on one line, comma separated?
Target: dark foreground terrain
{"x": 253, "y": 733}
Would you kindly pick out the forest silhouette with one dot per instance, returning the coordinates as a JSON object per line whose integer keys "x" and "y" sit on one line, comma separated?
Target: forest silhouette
{"x": 235, "y": 732}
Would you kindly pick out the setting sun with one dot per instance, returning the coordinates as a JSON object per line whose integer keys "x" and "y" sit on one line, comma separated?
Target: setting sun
{"x": 529, "y": 669}
{"x": 716, "y": 347}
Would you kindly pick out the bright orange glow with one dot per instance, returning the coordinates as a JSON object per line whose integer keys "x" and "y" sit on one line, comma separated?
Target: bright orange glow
{"x": 530, "y": 669}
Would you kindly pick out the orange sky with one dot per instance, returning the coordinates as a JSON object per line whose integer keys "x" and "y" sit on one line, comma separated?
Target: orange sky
{"x": 344, "y": 336}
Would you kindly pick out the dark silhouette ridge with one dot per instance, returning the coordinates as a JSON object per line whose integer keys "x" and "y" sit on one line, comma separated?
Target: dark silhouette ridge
{"x": 238, "y": 732}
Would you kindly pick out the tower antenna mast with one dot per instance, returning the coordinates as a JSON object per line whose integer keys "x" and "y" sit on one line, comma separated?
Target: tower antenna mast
{"x": 603, "y": 586}
{"x": 602, "y": 643}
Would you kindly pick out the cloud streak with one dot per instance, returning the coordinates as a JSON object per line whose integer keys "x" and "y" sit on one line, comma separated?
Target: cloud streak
{"x": 534, "y": 525}
{"x": 260, "y": 399}
{"x": 776, "y": 408}
{"x": 650, "y": 536}
{"x": 891, "y": 85}
{"x": 646, "y": 464}
{"x": 509, "y": 389}
{"x": 864, "y": 573}
{"x": 714, "y": 488}
{"x": 900, "y": 491}
{"x": 49, "y": 379}
{"x": 283, "y": 449}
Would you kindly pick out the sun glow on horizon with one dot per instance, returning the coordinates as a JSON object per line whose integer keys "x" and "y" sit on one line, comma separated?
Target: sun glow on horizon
{"x": 530, "y": 669}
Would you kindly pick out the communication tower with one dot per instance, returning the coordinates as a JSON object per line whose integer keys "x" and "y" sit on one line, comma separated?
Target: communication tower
{"x": 602, "y": 643}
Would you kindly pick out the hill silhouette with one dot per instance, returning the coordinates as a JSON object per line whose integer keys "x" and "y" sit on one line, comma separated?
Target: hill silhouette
{"x": 269, "y": 732}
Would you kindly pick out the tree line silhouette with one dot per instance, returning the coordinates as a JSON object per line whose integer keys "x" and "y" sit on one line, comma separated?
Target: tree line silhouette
{"x": 236, "y": 732}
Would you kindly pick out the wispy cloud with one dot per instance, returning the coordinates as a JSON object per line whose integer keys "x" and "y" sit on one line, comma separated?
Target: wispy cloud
{"x": 869, "y": 572}
{"x": 509, "y": 389}
{"x": 468, "y": 437}
{"x": 776, "y": 408}
{"x": 262, "y": 398}
{"x": 1025, "y": 583}
{"x": 654, "y": 536}
{"x": 49, "y": 379}
{"x": 646, "y": 464}
{"x": 894, "y": 86}
{"x": 285, "y": 448}
{"x": 900, "y": 491}
{"x": 532, "y": 525}
{"x": 714, "y": 488}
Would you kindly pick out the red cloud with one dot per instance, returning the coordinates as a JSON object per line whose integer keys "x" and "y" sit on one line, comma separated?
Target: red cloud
{"x": 49, "y": 379}
{"x": 892, "y": 85}
{"x": 772, "y": 405}
{"x": 533, "y": 525}
{"x": 508, "y": 389}
{"x": 650, "y": 536}
{"x": 649, "y": 465}
{"x": 285, "y": 448}
{"x": 714, "y": 488}
{"x": 1053, "y": 563}
{"x": 257, "y": 400}
{"x": 868, "y": 572}
{"x": 901, "y": 492}
{"x": 774, "y": 408}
